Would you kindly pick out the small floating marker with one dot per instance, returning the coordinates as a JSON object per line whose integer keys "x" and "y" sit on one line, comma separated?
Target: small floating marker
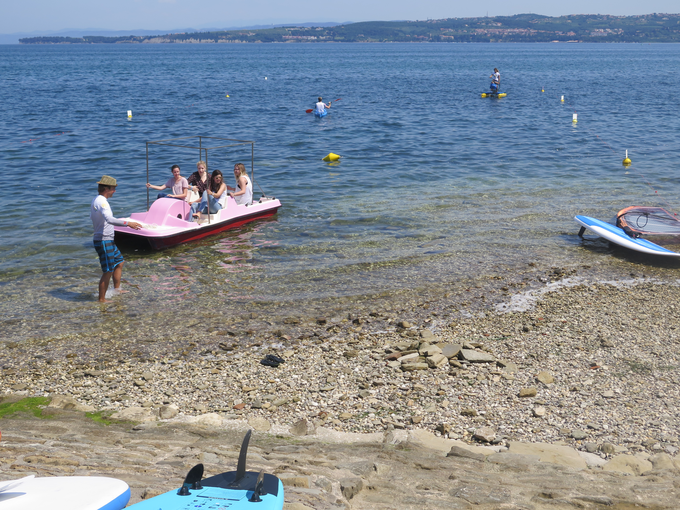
{"x": 562, "y": 100}
{"x": 542, "y": 90}
{"x": 483, "y": 94}
{"x": 129, "y": 114}
{"x": 265, "y": 77}
{"x": 627, "y": 161}
{"x": 574, "y": 119}
{"x": 331, "y": 157}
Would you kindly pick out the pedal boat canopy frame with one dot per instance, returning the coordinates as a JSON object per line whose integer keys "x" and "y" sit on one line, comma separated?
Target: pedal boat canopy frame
{"x": 202, "y": 144}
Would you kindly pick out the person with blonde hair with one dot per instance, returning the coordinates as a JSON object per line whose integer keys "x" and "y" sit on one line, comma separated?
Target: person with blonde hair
{"x": 199, "y": 181}
{"x": 243, "y": 193}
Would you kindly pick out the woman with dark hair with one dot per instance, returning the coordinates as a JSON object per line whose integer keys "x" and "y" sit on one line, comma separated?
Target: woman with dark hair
{"x": 214, "y": 198}
{"x": 243, "y": 193}
{"x": 177, "y": 184}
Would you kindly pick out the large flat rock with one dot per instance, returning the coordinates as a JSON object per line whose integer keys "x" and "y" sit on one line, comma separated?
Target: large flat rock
{"x": 555, "y": 454}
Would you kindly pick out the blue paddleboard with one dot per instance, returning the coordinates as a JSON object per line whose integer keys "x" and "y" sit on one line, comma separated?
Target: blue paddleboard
{"x": 618, "y": 236}
{"x": 234, "y": 490}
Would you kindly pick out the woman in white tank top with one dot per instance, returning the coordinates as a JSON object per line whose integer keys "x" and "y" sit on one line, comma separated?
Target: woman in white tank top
{"x": 243, "y": 193}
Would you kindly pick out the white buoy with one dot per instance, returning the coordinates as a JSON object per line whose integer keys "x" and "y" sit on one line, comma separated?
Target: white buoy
{"x": 574, "y": 119}
{"x": 265, "y": 77}
{"x": 562, "y": 99}
{"x": 129, "y": 114}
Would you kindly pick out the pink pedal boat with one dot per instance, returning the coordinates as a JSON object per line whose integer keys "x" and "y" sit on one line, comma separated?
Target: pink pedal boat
{"x": 166, "y": 223}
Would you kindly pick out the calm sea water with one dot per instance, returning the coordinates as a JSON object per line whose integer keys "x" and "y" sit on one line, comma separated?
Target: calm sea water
{"x": 435, "y": 185}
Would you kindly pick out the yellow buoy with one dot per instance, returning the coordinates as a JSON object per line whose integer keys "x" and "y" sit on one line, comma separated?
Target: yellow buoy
{"x": 331, "y": 157}
{"x": 574, "y": 119}
{"x": 542, "y": 90}
{"x": 562, "y": 100}
{"x": 627, "y": 161}
{"x": 502, "y": 95}
{"x": 227, "y": 95}
{"x": 483, "y": 94}
{"x": 129, "y": 114}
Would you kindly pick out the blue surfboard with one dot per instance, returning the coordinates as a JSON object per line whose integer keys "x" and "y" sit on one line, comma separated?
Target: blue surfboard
{"x": 234, "y": 490}
{"x": 617, "y": 236}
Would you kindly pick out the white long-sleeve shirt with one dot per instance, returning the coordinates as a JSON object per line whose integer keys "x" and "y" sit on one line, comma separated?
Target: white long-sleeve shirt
{"x": 103, "y": 220}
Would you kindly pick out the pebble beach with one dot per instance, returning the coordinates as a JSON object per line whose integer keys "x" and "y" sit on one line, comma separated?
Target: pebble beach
{"x": 558, "y": 364}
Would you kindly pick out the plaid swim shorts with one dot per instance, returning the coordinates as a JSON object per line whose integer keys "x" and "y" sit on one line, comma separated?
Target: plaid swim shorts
{"x": 109, "y": 255}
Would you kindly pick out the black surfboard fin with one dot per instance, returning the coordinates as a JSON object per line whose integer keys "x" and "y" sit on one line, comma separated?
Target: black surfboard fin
{"x": 241, "y": 466}
{"x": 192, "y": 480}
{"x": 255, "y": 498}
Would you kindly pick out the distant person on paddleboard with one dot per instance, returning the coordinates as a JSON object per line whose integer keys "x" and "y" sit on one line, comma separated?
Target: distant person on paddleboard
{"x": 103, "y": 221}
{"x": 243, "y": 193}
{"x": 320, "y": 107}
{"x": 495, "y": 80}
{"x": 176, "y": 183}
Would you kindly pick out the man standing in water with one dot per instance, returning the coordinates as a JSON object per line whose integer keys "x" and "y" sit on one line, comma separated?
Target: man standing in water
{"x": 103, "y": 221}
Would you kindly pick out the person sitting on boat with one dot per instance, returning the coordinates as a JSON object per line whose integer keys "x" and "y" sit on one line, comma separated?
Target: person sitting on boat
{"x": 495, "y": 80}
{"x": 177, "y": 184}
{"x": 214, "y": 198}
{"x": 320, "y": 108}
{"x": 243, "y": 193}
{"x": 199, "y": 181}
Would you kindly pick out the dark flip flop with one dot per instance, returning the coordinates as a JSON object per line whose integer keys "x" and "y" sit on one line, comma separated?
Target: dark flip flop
{"x": 269, "y": 363}
{"x": 274, "y": 358}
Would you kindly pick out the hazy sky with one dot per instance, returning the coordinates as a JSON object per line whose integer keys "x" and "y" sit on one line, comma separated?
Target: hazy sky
{"x": 30, "y": 15}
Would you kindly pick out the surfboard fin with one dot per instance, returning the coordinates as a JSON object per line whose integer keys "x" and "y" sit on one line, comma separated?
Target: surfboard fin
{"x": 255, "y": 498}
{"x": 192, "y": 480}
{"x": 241, "y": 466}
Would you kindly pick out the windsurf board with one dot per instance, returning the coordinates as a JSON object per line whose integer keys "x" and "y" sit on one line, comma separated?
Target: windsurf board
{"x": 617, "y": 236}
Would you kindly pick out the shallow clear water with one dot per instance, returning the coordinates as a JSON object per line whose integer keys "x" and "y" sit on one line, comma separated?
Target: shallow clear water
{"x": 435, "y": 184}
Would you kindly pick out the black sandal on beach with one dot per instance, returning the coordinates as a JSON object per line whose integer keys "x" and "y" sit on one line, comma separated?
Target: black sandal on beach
{"x": 269, "y": 363}
{"x": 274, "y": 358}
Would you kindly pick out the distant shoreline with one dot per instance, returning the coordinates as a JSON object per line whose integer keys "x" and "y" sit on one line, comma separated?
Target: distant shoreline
{"x": 519, "y": 28}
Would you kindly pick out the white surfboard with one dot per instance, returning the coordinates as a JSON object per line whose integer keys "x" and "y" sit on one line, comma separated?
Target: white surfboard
{"x": 618, "y": 236}
{"x": 64, "y": 493}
